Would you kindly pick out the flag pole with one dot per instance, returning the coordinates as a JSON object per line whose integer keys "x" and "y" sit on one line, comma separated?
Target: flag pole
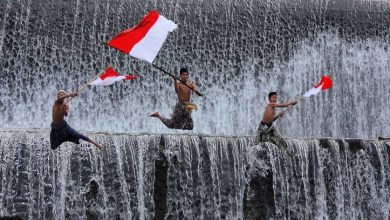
{"x": 278, "y": 116}
{"x": 184, "y": 83}
{"x": 82, "y": 88}
{"x": 166, "y": 72}
{"x": 86, "y": 84}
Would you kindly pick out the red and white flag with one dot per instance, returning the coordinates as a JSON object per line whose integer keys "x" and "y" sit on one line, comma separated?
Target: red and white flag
{"x": 144, "y": 40}
{"x": 325, "y": 83}
{"x": 109, "y": 77}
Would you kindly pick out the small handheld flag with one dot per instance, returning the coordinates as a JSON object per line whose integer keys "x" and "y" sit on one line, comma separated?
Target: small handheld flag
{"x": 324, "y": 84}
{"x": 109, "y": 77}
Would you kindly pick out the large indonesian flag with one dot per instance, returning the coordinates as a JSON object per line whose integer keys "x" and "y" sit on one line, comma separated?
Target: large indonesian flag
{"x": 109, "y": 77}
{"x": 325, "y": 83}
{"x": 144, "y": 40}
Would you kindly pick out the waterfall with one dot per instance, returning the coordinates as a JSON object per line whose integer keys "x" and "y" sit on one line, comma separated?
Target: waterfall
{"x": 323, "y": 179}
{"x": 192, "y": 177}
{"x": 236, "y": 53}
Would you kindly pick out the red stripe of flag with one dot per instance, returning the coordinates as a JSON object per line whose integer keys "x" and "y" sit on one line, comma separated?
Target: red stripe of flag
{"x": 326, "y": 82}
{"x": 126, "y": 40}
{"x": 110, "y": 72}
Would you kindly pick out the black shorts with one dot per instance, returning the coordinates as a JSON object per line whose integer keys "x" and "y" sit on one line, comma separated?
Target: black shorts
{"x": 63, "y": 132}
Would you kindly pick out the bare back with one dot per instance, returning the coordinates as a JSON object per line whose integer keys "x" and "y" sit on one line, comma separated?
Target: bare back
{"x": 59, "y": 111}
{"x": 269, "y": 114}
{"x": 183, "y": 92}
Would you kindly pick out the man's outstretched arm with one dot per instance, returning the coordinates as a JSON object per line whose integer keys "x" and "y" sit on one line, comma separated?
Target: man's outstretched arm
{"x": 283, "y": 105}
{"x": 281, "y": 114}
{"x": 67, "y": 96}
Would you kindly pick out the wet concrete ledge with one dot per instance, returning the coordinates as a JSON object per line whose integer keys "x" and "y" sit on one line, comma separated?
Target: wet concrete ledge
{"x": 322, "y": 139}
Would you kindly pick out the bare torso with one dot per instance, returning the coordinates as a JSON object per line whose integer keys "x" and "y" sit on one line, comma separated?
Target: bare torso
{"x": 269, "y": 114}
{"x": 60, "y": 110}
{"x": 183, "y": 92}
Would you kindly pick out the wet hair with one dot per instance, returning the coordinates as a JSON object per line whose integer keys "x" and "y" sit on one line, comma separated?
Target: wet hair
{"x": 59, "y": 91}
{"x": 183, "y": 70}
{"x": 271, "y": 94}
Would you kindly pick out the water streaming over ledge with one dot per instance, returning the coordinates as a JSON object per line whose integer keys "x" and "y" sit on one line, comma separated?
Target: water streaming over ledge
{"x": 192, "y": 177}
{"x": 236, "y": 51}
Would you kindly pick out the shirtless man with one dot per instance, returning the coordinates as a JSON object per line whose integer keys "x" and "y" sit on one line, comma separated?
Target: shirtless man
{"x": 181, "y": 116}
{"x": 266, "y": 131}
{"x": 60, "y": 130}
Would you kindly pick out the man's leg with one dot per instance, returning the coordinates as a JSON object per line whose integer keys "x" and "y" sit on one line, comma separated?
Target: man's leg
{"x": 168, "y": 122}
{"x": 277, "y": 138}
{"x": 181, "y": 119}
{"x": 188, "y": 123}
{"x": 76, "y": 135}
{"x": 54, "y": 142}
{"x": 261, "y": 134}
{"x": 96, "y": 144}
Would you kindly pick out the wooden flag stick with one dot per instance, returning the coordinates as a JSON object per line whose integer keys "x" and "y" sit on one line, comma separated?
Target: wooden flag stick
{"x": 166, "y": 72}
{"x": 283, "y": 112}
{"x": 83, "y": 87}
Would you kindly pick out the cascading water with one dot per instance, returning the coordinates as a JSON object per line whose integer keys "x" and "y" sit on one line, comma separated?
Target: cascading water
{"x": 136, "y": 177}
{"x": 192, "y": 177}
{"x": 319, "y": 179}
{"x": 236, "y": 52}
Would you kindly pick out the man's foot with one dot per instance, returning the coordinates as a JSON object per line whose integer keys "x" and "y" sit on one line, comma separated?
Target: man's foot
{"x": 99, "y": 146}
{"x": 156, "y": 114}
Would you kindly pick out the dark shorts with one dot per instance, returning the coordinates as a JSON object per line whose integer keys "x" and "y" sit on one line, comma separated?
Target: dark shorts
{"x": 63, "y": 132}
{"x": 181, "y": 118}
{"x": 268, "y": 133}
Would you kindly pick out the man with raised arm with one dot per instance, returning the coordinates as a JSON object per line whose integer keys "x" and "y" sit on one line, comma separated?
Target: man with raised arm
{"x": 60, "y": 130}
{"x": 266, "y": 131}
{"x": 181, "y": 116}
